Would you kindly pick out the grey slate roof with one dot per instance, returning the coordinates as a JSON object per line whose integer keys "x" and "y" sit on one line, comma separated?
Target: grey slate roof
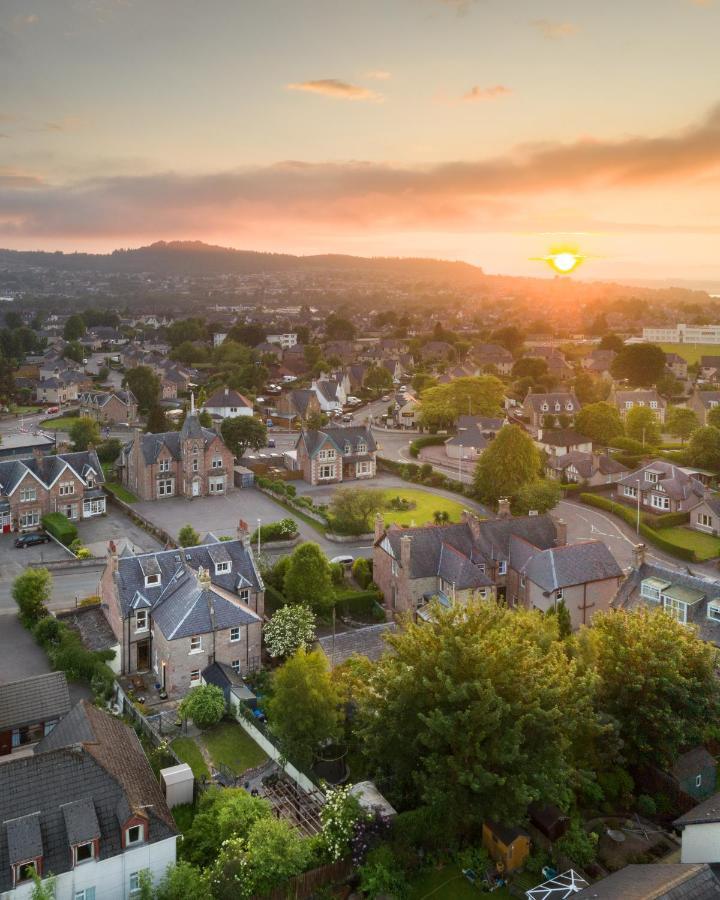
{"x": 676, "y": 483}
{"x": 586, "y": 464}
{"x": 561, "y": 567}
{"x": 692, "y": 762}
{"x": 152, "y": 444}
{"x": 339, "y": 437}
{"x": 707, "y": 811}
{"x": 563, "y": 398}
{"x": 707, "y": 398}
{"x": 563, "y": 437}
{"x": 33, "y": 700}
{"x": 225, "y": 396}
{"x": 102, "y": 398}
{"x": 81, "y": 821}
{"x": 107, "y": 770}
{"x": 368, "y": 642}
{"x": 47, "y": 468}
{"x": 656, "y": 881}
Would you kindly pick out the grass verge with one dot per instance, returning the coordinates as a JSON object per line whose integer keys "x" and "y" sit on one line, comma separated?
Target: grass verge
{"x": 705, "y": 545}
{"x": 122, "y": 493}
{"x": 188, "y": 751}
{"x": 426, "y": 504}
{"x": 64, "y": 423}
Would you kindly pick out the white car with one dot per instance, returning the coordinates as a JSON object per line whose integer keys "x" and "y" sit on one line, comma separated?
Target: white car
{"x": 353, "y": 401}
{"x": 385, "y": 398}
{"x": 345, "y": 561}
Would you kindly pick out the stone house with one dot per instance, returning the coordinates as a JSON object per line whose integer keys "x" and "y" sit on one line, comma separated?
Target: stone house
{"x": 108, "y": 408}
{"x": 175, "y": 612}
{"x": 701, "y": 402}
{"x": 192, "y": 462}
{"x": 333, "y": 455}
{"x": 551, "y": 410}
{"x": 30, "y": 709}
{"x": 650, "y": 399}
{"x": 663, "y": 488}
{"x": 578, "y": 467}
{"x": 474, "y": 433}
{"x": 677, "y": 365}
{"x": 54, "y": 391}
{"x": 486, "y": 355}
{"x": 562, "y": 441}
{"x": 300, "y": 403}
{"x": 705, "y": 516}
{"x": 709, "y": 368}
{"x": 69, "y": 483}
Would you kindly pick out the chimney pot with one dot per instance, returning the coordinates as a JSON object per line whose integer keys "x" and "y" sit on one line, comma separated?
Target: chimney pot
{"x": 379, "y": 526}
{"x": 560, "y": 532}
{"x": 638, "y": 555}
{"x": 503, "y": 508}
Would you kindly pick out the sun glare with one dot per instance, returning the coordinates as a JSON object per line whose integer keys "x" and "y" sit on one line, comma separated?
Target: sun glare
{"x": 562, "y": 261}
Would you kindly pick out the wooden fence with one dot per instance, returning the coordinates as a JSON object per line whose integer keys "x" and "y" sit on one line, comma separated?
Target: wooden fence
{"x": 303, "y": 886}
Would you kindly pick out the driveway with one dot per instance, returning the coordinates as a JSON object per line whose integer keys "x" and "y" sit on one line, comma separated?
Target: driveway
{"x": 13, "y": 562}
{"x": 114, "y": 526}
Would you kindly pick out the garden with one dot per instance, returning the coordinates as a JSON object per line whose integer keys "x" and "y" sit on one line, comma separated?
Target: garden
{"x": 224, "y": 745}
{"x": 413, "y": 506}
{"x": 62, "y": 423}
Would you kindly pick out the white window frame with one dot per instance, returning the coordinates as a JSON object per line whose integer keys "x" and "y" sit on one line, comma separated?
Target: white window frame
{"x": 502, "y": 567}
{"x": 364, "y": 467}
{"x": 196, "y": 465}
{"x": 659, "y": 502}
{"x": 629, "y": 491}
{"x": 216, "y": 484}
{"x": 28, "y": 494}
{"x": 559, "y": 594}
{"x": 67, "y": 488}
{"x": 194, "y": 677}
{"x": 139, "y": 840}
{"x": 244, "y": 595}
{"x": 235, "y": 666}
{"x": 87, "y": 893}
{"x": 713, "y": 608}
{"x": 234, "y": 634}
{"x": 326, "y": 472}
{"x": 29, "y": 518}
{"x": 166, "y": 487}
{"x": 152, "y": 580}
{"x": 704, "y": 520}
{"x": 217, "y": 462}
{"x": 652, "y": 477}
{"x": 141, "y": 620}
{"x": 675, "y": 608}
{"x": 649, "y": 593}
{"x": 223, "y": 567}
{"x": 196, "y": 643}
{"x": 698, "y": 781}
{"x": 76, "y": 848}
{"x": 164, "y": 465}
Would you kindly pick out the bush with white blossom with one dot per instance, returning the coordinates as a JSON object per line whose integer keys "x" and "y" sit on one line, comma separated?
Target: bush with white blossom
{"x": 340, "y": 816}
{"x": 290, "y": 629}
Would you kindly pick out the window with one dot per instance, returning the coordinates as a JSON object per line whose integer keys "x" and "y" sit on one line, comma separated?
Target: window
{"x": 522, "y": 580}
{"x": 152, "y": 580}
{"x": 327, "y": 472}
{"x": 196, "y": 465}
{"x": 30, "y": 518}
{"x": 194, "y": 677}
{"x": 216, "y": 485}
{"x": 196, "y": 449}
{"x": 362, "y": 447}
{"x": 675, "y": 608}
{"x": 196, "y": 644}
{"x": 649, "y": 591}
{"x": 705, "y": 520}
{"x": 164, "y": 465}
{"x": 234, "y": 634}
{"x": 559, "y": 594}
{"x": 87, "y": 893}
{"x": 713, "y": 611}
{"x": 327, "y": 454}
{"x": 394, "y": 567}
{"x": 94, "y": 507}
{"x": 166, "y": 487}
{"x": 628, "y": 404}
{"x": 235, "y": 666}
{"x": 348, "y": 449}
{"x": 25, "y": 871}
{"x": 698, "y": 781}
{"x": 222, "y": 567}
{"x": 659, "y": 502}
{"x": 630, "y": 491}
{"x": 134, "y": 884}
{"x": 569, "y": 407}
{"x": 134, "y": 835}
{"x": 28, "y": 494}
{"x": 84, "y": 852}
{"x": 244, "y": 595}
{"x": 558, "y": 407}
{"x": 544, "y": 407}
{"x": 233, "y": 409}
{"x": 502, "y": 567}
{"x": 651, "y": 476}
{"x": 217, "y": 462}
{"x": 141, "y": 620}
{"x": 67, "y": 488}
{"x": 653, "y": 404}
{"x": 482, "y": 593}
{"x": 364, "y": 468}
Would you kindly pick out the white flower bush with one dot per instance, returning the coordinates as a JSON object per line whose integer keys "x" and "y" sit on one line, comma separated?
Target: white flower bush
{"x": 289, "y": 630}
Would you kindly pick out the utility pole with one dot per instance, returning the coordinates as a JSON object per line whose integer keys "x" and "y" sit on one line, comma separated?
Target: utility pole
{"x": 259, "y": 521}
{"x": 460, "y": 464}
{"x": 637, "y": 526}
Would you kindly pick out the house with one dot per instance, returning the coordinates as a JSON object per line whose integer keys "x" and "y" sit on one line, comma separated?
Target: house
{"x": 677, "y": 365}
{"x": 662, "y": 488}
{"x": 495, "y": 356}
{"x": 474, "y": 433}
{"x": 192, "y": 462}
{"x": 437, "y": 351}
{"x": 330, "y": 394}
{"x": 85, "y": 808}
{"x": 226, "y": 402}
{"x": 509, "y": 847}
{"x": 701, "y": 402}
{"x": 648, "y": 399}
{"x": 560, "y": 442}
{"x": 175, "y": 612}
{"x": 695, "y": 773}
{"x": 407, "y": 411}
{"x": 30, "y": 709}
{"x": 551, "y": 410}
{"x": 649, "y": 881}
{"x": 709, "y": 368}
{"x": 336, "y": 454}
{"x": 268, "y": 349}
{"x": 700, "y": 832}
{"x": 108, "y": 408}
{"x": 705, "y": 516}
{"x": 54, "y": 391}
{"x": 691, "y": 599}
{"x": 599, "y": 362}
{"x": 69, "y": 483}
{"x": 300, "y": 403}
{"x": 19, "y": 444}
{"x": 285, "y": 341}
{"x": 578, "y": 467}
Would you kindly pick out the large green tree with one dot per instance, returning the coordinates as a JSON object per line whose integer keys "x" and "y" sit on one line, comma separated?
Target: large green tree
{"x": 600, "y": 421}
{"x": 378, "y": 379}
{"x": 509, "y": 463}
{"x": 703, "y": 448}
{"x": 307, "y": 577}
{"x": 641, "y": 424}
{"x": 74, "y": 328}
{"x": 145, "y": 385}
{"x": 681, "y": 422}
{"x": 183, "y": 881}
{"x": 657, "y": 679}
{"x": 641, "y": 364}
{"x": 31, "y": 591}
{"x": 205, "y": 705}
{"x": 539, "y": 496}
{"x": 84, "y": 432}
{"x": 242, "y": 433}
{"x": 352, "y": 509}
{"x": 304, "y": 706}
{"x": 441, "y": 406}
{"x": 475, "y": 716}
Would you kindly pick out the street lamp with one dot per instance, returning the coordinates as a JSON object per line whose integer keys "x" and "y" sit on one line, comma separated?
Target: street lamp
{"x": 637, "y": 527}
{"x": 460, "y": 464}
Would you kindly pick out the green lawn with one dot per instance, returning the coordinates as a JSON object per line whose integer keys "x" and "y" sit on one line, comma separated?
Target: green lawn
{"x": 24, "y": 410}
{"x": 189, "y": 752}
{"x": 183, "y": 814}
{"x": 692, "y": 352}
{"x": 229, "y": 745}
{"x": 449, "y": 883}
{"x": 426, "y": 503}
{"x": 120, "y": 492}
{"x": 705, "y": 545}
{"x": 63, "y": 423}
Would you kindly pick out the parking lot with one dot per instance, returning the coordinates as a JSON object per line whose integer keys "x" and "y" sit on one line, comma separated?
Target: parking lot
{"x": 114, "y": 526}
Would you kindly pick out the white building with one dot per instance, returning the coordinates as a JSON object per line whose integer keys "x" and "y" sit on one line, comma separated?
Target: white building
{"x": 701, "y": 832}
{"x": 226, "y": 403}
{"x": 683, "y": 334}
{"x": 286, "y": 341}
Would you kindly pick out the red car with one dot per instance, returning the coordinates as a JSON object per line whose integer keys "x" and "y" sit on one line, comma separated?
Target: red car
{"x": 52, "y": 409}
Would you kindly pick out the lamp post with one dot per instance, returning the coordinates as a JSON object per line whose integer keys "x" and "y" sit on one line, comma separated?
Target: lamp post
{"x": 460, "y": 464}
{"x": 637, "y": 526}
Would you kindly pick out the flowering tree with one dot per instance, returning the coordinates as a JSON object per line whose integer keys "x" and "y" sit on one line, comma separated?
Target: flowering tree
{"x": 340, "y": 816}
{"x": 291, "y": 628}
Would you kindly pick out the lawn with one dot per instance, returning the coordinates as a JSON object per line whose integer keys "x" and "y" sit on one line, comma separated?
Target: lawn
{"x": 449, "y": 883}
{"x": 705, "y": 545}
{"x": 63, "y": 423}
{"x": 426, "y": 504}
{"x": 24, "y": 410}
{"x": 229, "y": 745}
{"x": 188, "y": 752}
{"x": 692, "y": 352}
{"x": 120, "y": 492}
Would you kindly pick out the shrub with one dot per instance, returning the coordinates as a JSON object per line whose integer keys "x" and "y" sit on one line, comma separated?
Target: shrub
{"x": 205, "y": 705}
{"x": 47, "y": 631}
{"x": 109, "y": 450}
{"x": 646, "y": 806}
{"x": 188, "y": 537}
{"x": 431, "y": 440}
{"x": 337, "y": 574}
{"x": 284, "y": 530}
{"x": 360, "y": 603}
{"x": 290, "y": 490}
{"x": 60, "y": 527}
{"x": 31, "y": 590}
{"x": 361, "y": 572}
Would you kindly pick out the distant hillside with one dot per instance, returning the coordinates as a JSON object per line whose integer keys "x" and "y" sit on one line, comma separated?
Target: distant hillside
{"x": 197, "y": 258}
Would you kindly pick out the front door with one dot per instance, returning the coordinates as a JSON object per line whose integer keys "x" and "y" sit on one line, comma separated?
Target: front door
{"x": 195, "y": 488}
{"x": 143, "y": 655}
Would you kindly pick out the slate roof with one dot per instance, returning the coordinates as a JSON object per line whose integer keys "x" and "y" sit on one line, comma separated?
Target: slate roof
{"x": 33, "y": 700}
{"x": 571, "y": 564}
{"x": 710, "y": 362}
{"x": 299, "y": 399}
{"x": 688, "y": 764}
{"x": 89, "y": 758}
{"x": 470, "y": 437}
{"x": 368, "y": 642}
{"x": 152, "y": 444}
{"x": 225, "y": 396}
{"x": 656, "y": 881}
{"x": 81, "y": 823}
{"x": 707, "y": 811}
{"x": 676, "y": 483}
{"x": 563, "y": 437}
{"x": 707, "y": 398}
{"x": 329, "y": 389}
{"x": 483, "y": 423}
{"x": 102, "y": 398}
{"x": 712, "y": 501}
{"x": 173, "y": 566}
{"x": 586, "y": 464}
{"x": 48, "y": 468}
{"x": 492, "y": 353}
{"x": 339, "y": 437}
{"x": 564, "y": 398}
{"x": 639, "y": 397}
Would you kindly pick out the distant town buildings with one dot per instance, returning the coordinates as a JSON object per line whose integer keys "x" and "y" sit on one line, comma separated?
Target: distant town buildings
{"x": 683, "y": 334}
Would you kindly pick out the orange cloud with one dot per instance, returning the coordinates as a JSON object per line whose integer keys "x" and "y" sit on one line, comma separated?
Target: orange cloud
{"x": 333, "y": 87}
{"x": 488, "y": 93}
{"x": 555, "y": 30}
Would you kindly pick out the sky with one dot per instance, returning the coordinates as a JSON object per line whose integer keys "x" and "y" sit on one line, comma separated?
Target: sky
{"x": 493, "y": 131}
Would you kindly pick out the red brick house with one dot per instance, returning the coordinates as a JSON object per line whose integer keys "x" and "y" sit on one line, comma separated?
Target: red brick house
{"x": 336, "y": 454}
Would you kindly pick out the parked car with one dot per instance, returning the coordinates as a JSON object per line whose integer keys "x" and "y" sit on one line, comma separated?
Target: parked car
{"x": 345, "y": 560}
{"x": 271, "y": 443}
{"x": 385, "y": 398}
{"x": 269, "y": 423}
{"x": 347, "y": 417}
{"x": 52, "y": 409}
{"x": 29, "y": 540}
{"x": 353, "y": 401}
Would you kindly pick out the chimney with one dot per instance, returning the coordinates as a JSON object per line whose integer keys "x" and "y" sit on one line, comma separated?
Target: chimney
{"x": 112, "y": 556}
{"x": 227, "y": 391}
{"x": 560, "y": 532}
{"x": 203, "y": 578}
{"x": 503, "y": 510}
{"x": 379, "y": 526}
{"x": 638, "y": 555}
{"x": 473, "y": 522}
{"x": 243, "y": 533}
{"x": 405, "y": 550}
{"x": 37, "y": 453}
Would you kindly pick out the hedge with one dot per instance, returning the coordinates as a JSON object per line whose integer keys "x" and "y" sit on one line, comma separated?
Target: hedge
{"x": 60, "y": 527}
{"x": 361, "y": 603}
{"x": 67, "y": 654}
{"x": 630, "y": 516}
{"x": 431, "y": 440}
{"x": 284, "y": 530}
{"x": 273, "y": 599}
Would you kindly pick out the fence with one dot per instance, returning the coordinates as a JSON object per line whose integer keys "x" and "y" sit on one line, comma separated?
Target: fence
{"x": 303, "y": 886}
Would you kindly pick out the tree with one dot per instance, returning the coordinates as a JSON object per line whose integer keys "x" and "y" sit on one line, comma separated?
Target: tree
{"x": 338, "y": 328}
{"x": 303, "y": 709}
{"x": 421, "y": 381}
{"x": 74, "y": 328}
{"x": 145, "y": 385}
{"x": 703, "y": 448}
{"x": 377, "y": 379}
{"x": 476, "y": 716}
{"x": 669, "y": 386}
{"x": 291, "y": 628}
{"x": 188, "y": 537}
{"x": 657, "y": 679}
{"x": 157, "y": 421}
{"x": 74, "y": 351}
{"x": 641, "y": 364}
{"x": 611, "y": 342}
{"x": 109, "y": 450}
{"x": 713, "y": 417}
{"x": 510, "y": 337}
{"x": 307, "y": 577}
{"x": 530, "y": 367}
{"x": 316, "y": 421}
{"x": 43, "y": 889}
{"x": 681, "y": 422}
{"x": 84, "y": 432}
{"x": 589, "y": 389}
{"x": 352, "y": 509}
{"x": 563, "y": 618}
{"x": 474, "y": 396}
{"x": 540, "y": 496}
{"x": 205, "y": 705}
{"x": 193, "y": 329}
{"x": 642, "y": 425}
{"x": 246, "y": 333}
{"x": 190, "y": 353}
{"x": 242, "y": 433}
{"x": 601, "y": 422}
{"x": 340, "y": 815}
{"x": 183, "y": 881}
{"x": 577, "y": 844}
{"x": 510, "y": 461}
{"x": 31, "y": 591}
{"x": 221, "y": 815}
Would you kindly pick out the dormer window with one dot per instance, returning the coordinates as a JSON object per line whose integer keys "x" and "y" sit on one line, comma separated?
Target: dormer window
{"x": 557, "y": 407}
{"x": 141, "y": 620}
{"x": 348, "y": 449}
{"x": 222, "y": 568}
{"x": 569, "y": 407}
{"x": 164, "y": 465}
{"x": 152, "y": 580}
{"x": 713, "y": 611}
{"x": 25, "y": 871}
{"x": 135, "y": 834}
{"x": 653, "y": 404}
{"x": 244, "y": 595}
{"x": 362, "y": 447}
{"x": 651, "y": 476}
{"x": 84, "y": 852}
{"x": 544, "y": 407}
